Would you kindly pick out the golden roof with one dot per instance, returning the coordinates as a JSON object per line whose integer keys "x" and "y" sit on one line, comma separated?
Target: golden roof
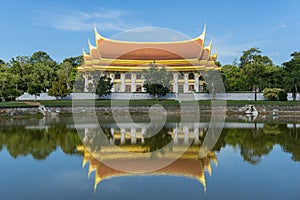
{"x": 117, "y": 55}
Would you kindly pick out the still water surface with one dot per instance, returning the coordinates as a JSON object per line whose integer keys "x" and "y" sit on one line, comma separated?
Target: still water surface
{"x": 45, "y": 159}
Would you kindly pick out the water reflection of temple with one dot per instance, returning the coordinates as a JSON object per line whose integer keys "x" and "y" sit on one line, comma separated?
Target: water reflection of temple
{"x": 135, "y": 140}
{"x": 182, "y": 134}
{"x": 186, "y": 166}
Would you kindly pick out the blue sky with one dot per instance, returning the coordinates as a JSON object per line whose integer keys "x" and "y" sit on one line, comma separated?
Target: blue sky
{"x": 62, "y": 28}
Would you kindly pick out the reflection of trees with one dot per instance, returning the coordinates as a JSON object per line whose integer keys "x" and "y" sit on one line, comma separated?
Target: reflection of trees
{"x": 158, "y": 141}
{"x": 38, "y": 143}
{"x": 255, "y": 143}
{"x": 252, "y": 143}
{"x": 291, "y": 143}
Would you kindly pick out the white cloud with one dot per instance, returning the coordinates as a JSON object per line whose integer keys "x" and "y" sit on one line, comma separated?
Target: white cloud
{"x": 76, "y": 20}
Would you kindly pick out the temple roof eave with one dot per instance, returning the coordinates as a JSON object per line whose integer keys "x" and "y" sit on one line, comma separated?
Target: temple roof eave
{"x": 118, "y": 62}
{"x": 134, "y": 68}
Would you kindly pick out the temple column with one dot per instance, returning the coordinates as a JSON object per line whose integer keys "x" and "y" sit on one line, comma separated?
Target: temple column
{"x": 196, "y": 133}
{"x": 122, "y": 82}
{"x": 143, "y": 135}
{"x": 85, "y": 138}
{"x": 122, "y": 136}
{"x": 92, "y": 83}
{"x": 175, "y": 132}
{"x": 112, "y": 131}
{"x": 143, "y": 81}
{"x": 186, "y": 134}
{"x": 175, "y": 82}
{"x": 133, "y": 82}
{"x": 86, "y": 82}
{"x": 112, "y": 76}
{"x": 133, "y": 136}
{"x": 197, "y": 82}
{"x": 201, "y": 134}
{"x": 186, "y": 83}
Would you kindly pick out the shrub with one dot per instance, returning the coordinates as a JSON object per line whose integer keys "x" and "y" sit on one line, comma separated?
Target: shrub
{"x": 275, "y": 94}
{"x": 282, "y": 96}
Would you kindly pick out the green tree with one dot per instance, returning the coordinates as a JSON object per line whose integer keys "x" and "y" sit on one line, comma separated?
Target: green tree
{"x": 71, "y": 69}
{"x": 253, "y": 55}
{"x": 2, "y": 64}
{"x": 8, "y": 85}
{"x": 273, "y": 77}
{"x": 37, "y": 72}
{"x": 157, "y": 80}
{"x": 252, "y": 73}
{"x": 234, "y": 78}
{"x": 40, "y": 79}
{"x": 59, "y": 89}
{"x": 292, "y": 74}
{"x": 275, "y": 94}
{"x": 254, "y": 67}
{"x": 293, "y": 64}
{"x": 63, "y": 85}
{"x": 292, "y": 82}
{"x": 104, "y": 86}
{"x": 78, "y": 85}
{"x": 21, "y": 66}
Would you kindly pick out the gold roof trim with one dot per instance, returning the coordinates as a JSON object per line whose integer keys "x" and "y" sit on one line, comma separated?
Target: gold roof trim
{"x": 97, "y": 35}
{"x": 201, "y": 37}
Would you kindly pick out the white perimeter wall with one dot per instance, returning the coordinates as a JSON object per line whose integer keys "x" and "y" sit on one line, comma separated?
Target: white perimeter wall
{"x": 188, "y": 96}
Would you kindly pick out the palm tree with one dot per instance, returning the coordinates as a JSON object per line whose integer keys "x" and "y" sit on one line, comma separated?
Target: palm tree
{"x": 292, "y": 82}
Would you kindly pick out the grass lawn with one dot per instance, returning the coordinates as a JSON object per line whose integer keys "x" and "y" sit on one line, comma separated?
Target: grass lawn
{"x": 8, "y": 104}
{"x": 63, "y": 103}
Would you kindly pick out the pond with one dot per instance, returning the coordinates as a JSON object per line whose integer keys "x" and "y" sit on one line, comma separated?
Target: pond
{"x": 50, "y": 159}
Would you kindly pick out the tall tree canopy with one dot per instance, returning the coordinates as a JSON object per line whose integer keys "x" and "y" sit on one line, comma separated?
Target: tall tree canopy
{"x": 253, "y": 55}
{"x": 65, "y": 77}
{"x": 293, "y": 64}
{"x": 254, "y": 71}
{"x": 157, "y": 80}
{"x": 36, "y": 72}
{"x": 292, "y": 74}
{"x": 104, "y": 86}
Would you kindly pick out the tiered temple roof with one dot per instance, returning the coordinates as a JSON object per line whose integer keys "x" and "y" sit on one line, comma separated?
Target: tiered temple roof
{"x": 116, "y": 55}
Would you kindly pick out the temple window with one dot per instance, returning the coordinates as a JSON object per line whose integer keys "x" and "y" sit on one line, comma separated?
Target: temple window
{"x": 138, "y": 88}
{"x": 128, "y": 76}
{"x": 127, "y": 130}
{"x": 138, "y": 76}
{"x": 180, "y": 75}
{"x": 128, "y": 88}
{"x": 180, "y": 88}
{"x": 191, "y": 75}
{"x": 191, "y": 88}
{"x": 117, "y": 75}
{"x": 117, "y": 87}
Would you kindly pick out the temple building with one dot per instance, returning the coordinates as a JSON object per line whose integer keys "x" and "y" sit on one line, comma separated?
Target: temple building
{"x": 124, "y": 61}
